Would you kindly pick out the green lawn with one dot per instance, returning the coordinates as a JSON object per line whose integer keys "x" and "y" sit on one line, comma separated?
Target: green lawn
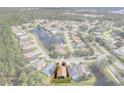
{"x": 89, "y": 82}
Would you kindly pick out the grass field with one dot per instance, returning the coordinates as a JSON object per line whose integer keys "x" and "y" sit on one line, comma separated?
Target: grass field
{"x": 88, "y": 82}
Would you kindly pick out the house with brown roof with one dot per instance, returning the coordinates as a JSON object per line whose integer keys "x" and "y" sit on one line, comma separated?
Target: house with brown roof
{"x": 61, "y": 74}
{"x": 61, "y": 71}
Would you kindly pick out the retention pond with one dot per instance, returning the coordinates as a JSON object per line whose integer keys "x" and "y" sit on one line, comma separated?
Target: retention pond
{"x": 47, "y": 39}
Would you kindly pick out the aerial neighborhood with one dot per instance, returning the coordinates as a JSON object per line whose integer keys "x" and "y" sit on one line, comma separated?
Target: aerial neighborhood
{"x": 65, "y": 50}
{"x": 62, "y": 46}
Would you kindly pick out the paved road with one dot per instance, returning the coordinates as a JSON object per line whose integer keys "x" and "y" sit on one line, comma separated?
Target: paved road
{"x": 75, "y": 60}
{"x": 68, "y": 42}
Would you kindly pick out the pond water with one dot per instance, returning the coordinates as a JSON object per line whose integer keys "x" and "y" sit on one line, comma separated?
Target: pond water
{"x": 47, "y": 39}
{"x": 101, "y": 79}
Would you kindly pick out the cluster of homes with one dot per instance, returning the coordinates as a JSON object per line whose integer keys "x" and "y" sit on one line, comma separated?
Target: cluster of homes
{"x": 60, "y": 48}
{"x": 29, "y": 48}
{"x": 51, "y": 26}
{"x": 113, "y": 41}
{"x": 119, "y": 43}
{"x": 57, "y": 26}
{"x": 108, "y": 31}
{"x": 79, "y": 46}
{"x": 62, "y": 71}
{"x": 79, "y": 72}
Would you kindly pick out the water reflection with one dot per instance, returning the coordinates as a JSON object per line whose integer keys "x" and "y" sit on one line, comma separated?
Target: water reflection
{"x": 47, "y": 39}
{"x": 101, "y": 79}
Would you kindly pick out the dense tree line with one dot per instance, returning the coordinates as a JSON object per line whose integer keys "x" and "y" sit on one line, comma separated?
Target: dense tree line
{"x": 11, "y": 59}
{"x": 12, "y": 62}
